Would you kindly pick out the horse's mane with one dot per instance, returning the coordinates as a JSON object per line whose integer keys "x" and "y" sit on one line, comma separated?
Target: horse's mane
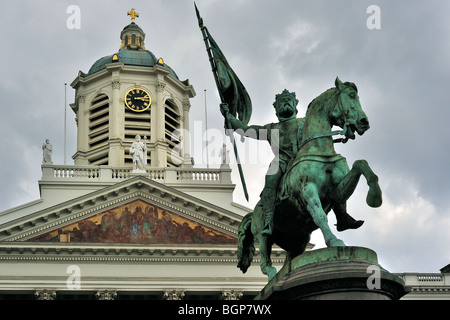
{"x": 322, "y": 98}
{"x": 328, "y": 94}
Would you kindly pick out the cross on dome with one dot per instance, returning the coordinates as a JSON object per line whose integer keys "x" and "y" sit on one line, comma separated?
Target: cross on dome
{"x": 133, "y": 14}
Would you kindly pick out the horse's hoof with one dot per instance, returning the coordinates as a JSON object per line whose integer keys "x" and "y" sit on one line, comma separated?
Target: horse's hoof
{"x": 374, "y": 198}
{"x": 271, "y": 273}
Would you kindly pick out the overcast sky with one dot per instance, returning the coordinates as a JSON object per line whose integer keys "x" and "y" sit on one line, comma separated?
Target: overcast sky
{"x": 401, "y": 70}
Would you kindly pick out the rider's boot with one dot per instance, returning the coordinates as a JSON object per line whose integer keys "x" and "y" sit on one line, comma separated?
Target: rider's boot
{"x": 268, "y": 223}
{"x": 268, "y": 203}
{"x": 344, "y": 220}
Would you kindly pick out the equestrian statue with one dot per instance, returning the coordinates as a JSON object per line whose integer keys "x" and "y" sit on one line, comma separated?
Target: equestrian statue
{"x": 307, "y": 178}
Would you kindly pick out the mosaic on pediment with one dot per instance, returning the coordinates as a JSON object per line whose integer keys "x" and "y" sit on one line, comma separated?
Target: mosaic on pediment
{"x": 137, "y": 222}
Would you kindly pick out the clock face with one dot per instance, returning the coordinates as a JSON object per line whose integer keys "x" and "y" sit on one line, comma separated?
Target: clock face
{"x": 138, "y": 99}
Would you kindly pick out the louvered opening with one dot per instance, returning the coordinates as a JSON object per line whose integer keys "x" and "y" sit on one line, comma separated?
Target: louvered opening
{"x": 99, "y": 127}
{"x": 172, "y": 134}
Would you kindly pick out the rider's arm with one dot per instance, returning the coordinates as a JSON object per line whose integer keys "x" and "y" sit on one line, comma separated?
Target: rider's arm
{"x": 241, "y": 128}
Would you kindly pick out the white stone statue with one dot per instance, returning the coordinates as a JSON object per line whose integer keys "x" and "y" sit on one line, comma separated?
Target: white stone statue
{"x": 138, "y": 151}
{"x": 225, "y": 155}
{"x": 47, "y": 150}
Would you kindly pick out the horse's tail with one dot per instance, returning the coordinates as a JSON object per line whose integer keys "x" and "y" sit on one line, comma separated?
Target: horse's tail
{"x": 246, "y": 243}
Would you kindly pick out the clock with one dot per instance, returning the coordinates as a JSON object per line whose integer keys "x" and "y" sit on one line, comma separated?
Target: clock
{"x": 138, "y": 99}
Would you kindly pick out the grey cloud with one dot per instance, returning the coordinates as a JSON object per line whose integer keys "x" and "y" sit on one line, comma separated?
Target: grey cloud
{"x": 402, "y": 72}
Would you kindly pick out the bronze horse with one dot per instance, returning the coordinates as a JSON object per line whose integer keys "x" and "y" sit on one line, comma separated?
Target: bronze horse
{"x": 317, "y": 181}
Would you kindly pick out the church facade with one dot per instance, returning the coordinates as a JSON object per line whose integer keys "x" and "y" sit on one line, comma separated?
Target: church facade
{"x": 108, "y": 227}
{"x": 133, "y": 218}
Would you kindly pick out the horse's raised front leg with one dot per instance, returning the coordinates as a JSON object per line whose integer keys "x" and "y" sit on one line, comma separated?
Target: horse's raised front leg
{"x": 314, "y": 207}
{"x": 347, "y": 185}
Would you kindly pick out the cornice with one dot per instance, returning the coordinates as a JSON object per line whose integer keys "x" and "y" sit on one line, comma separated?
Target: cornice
{"x": 83, "y": 81}
{"x": 123, "y": 253}
{"x": 430, "y": 289}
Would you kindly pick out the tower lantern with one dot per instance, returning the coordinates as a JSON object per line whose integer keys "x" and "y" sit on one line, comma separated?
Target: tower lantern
{"x": 130, "y": 93}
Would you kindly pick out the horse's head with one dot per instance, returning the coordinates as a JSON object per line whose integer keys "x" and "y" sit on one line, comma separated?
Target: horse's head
{"x": 347, "y": 112}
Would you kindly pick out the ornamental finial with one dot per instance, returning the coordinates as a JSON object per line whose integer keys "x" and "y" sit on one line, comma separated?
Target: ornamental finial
{"x": 133, "y": 14}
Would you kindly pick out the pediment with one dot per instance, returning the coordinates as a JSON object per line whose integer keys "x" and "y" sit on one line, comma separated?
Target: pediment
{"x": 138, "y": 210}
{"x": 137, "y": 222}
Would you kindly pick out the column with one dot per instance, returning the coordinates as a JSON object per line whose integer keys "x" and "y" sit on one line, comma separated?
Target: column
{"x": 114, "y": 131}
{"x": 158, "y": 144}
{"x": 187, "y": 161}
{"x": 116, "y": 127}
{"x": 173, "y": 295}
{"x": 106, "y": 295}
{"x": 45, "y": 294}
{"x": 231, "y": 294}
{"x": 82, "y": 131}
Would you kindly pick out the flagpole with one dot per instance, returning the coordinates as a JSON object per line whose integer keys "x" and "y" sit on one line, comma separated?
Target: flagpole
{"x": 65, "y": 120}
{"x": 227, "y": 123}
{"x": 206, "y": 131}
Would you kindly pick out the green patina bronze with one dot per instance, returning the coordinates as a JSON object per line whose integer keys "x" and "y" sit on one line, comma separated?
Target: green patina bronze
{"x": 307, "y": 178}
{"x": 314, "y": 257}
{"x": 315, "y": 180}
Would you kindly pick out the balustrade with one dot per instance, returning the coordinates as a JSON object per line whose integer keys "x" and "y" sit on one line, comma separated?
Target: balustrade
{"x": 52, "y": 172}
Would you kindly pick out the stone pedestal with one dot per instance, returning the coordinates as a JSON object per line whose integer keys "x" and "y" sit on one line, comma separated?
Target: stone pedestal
{"x": 338, "y": 273}
{"x": 137, "y": 172}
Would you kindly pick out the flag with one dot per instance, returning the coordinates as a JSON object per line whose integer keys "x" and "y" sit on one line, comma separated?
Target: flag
{"x": 231, "y": 89}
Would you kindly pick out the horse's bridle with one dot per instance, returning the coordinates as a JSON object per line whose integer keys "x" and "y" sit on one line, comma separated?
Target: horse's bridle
{"x": 331, "y": 133}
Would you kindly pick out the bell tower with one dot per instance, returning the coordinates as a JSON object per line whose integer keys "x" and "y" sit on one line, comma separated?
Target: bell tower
{"x": 130, "y": 93}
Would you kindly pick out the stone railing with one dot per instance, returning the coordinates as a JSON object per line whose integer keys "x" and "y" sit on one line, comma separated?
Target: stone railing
{"x": 430, "y": 277}
{"x": 425, "y": 278}
{"x": 168, "y": 175}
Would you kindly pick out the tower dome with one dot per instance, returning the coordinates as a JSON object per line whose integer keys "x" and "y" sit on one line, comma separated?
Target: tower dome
{"x": 132, "y": 50}
{"x": 127, "y": 94}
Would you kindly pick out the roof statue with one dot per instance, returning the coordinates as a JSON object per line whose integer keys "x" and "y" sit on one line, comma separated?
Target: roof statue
{"x": 225, "y": 155}
{"x": 47, "y": 150}
{"x": 138, "y": 151}
{"x": 307, "y": 178}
